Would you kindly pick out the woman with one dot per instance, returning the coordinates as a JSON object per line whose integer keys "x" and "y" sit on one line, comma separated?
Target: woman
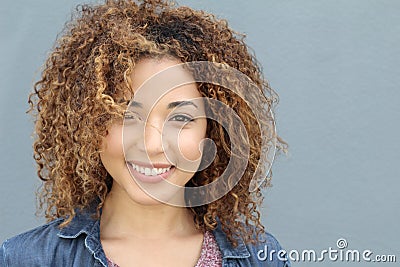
{"x": 125, "y": 113}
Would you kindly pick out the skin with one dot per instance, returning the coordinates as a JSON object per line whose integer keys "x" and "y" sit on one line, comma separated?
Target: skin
{"x": 135, "y": 228}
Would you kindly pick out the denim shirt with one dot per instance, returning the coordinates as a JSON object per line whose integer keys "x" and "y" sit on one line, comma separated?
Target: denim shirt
{"x": 78, "y": 244}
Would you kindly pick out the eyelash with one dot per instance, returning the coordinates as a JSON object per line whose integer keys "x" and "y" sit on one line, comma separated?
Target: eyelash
{"x": 177, "y": 118}
{"x": 185, "y": 118}
{"x": 131, "y": 116}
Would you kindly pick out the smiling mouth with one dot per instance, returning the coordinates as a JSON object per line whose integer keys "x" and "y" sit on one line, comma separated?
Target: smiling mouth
{"x": 149, "y": 171}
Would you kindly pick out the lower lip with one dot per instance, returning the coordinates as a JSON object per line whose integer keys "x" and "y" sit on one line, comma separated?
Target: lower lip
{"x": 150, "y": 178}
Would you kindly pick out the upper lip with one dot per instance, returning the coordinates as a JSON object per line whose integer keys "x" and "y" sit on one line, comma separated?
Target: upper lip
{"x": 150, "y": 165}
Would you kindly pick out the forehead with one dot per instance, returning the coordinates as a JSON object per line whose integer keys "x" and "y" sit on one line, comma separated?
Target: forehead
{"x": 158, "y": 71}
{"x": 162, "y": 80}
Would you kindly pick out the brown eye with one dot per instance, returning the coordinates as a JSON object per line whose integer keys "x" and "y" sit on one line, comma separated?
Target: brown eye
{"x": 132, "y": 116}
{"x": 182, "y": 118}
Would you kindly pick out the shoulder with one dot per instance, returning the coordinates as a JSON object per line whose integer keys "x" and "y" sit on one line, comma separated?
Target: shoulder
{"x": 29, "y": 244}
{"x": 32, "y": 248}
{"x": 34, "y": 236}
{"x": 77, "y": 244}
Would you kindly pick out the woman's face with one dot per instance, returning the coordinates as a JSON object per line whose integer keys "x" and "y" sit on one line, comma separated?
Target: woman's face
{"x": 160, "y": 141}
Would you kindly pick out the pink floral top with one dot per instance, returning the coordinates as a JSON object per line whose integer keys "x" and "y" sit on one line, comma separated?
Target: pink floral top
{"x": 210, "y": 255}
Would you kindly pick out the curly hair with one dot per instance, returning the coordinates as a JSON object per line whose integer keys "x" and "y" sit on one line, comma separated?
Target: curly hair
{"x": 82, "y": 92}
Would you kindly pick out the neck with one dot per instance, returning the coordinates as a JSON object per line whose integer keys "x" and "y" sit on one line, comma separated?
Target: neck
{"x": 123, "y": 218}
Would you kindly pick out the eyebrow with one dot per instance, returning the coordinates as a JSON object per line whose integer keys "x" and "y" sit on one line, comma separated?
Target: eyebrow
{"x": 136, "y": 104}
{"x": 181, "y": 103}
{"x": 170, "y": 105}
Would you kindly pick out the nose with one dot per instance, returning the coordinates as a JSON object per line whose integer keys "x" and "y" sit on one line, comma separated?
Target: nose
{"x": 152, "y": 141}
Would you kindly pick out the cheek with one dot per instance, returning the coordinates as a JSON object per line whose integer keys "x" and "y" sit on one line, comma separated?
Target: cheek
{"x": 190, "y": 147}
{"x": 190, "y": 143}
{"x": 112, "y": 144}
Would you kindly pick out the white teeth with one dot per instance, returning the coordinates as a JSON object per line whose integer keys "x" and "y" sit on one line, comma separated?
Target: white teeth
{"x": 149, "y": 171}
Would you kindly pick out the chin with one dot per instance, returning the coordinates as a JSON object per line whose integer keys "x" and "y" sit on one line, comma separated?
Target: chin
{"x": 157, "y": 196}
{"x": 146, "y": 201}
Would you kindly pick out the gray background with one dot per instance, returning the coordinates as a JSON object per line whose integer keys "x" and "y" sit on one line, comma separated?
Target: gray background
{"x": 335, "y": 65}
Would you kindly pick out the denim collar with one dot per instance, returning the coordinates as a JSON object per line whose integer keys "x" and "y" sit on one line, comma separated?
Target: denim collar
{"x": 226, "y": 248}
{"x": 84, "y": 223}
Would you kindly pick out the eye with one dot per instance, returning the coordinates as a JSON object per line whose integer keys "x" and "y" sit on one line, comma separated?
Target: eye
{"x": 132, "y": 116}
{"x": 182, "y": 118}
